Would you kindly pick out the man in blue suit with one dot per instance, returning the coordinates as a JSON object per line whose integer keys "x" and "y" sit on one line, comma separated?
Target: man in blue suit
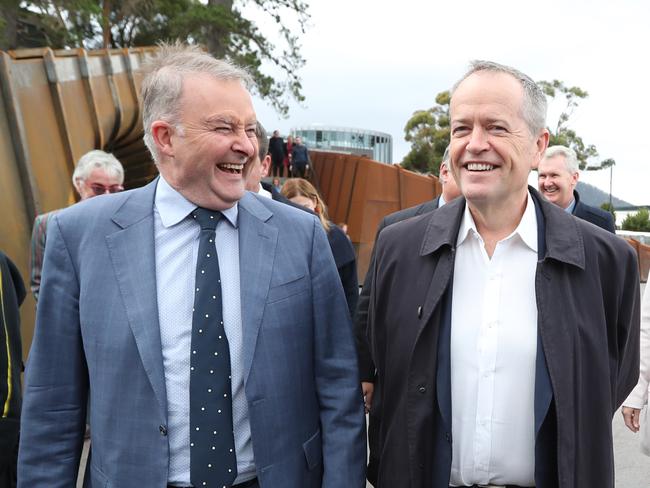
{"x": 558, "y": 174}
{"x": 125, "y": 324}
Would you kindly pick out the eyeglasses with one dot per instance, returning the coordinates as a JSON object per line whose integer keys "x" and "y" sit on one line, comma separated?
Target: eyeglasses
{"x": 98, "y": 189}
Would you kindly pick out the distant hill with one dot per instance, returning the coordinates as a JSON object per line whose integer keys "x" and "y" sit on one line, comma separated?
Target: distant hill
{"x": 595, "y": 197}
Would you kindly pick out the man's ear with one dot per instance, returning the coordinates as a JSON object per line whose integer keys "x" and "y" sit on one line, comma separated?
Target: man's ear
{"x": 542, "y": 144}
{"x": 162, "y": 132}
{"x": 266, "y": 164}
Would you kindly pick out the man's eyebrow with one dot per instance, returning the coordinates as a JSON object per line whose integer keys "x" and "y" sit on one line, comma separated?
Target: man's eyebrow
{"x": 224, "y": 119}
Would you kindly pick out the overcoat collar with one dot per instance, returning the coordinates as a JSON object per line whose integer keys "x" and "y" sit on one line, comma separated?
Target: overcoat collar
{"x": 563, "y": 238}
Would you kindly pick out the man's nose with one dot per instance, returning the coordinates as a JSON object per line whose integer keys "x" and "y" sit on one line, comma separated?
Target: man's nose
{"x": 244, "y": 144}
{"x": 478, "y": 141}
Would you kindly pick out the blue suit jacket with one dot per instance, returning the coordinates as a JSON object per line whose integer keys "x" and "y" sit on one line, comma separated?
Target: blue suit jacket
{"x": 97, "y": 337}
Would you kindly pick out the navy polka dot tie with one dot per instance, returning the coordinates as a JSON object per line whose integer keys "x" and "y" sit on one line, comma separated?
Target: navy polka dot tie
{"x": 213, "y": 463}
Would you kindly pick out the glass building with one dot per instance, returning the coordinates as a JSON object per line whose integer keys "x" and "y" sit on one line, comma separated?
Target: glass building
{"x": 375, "y": 145}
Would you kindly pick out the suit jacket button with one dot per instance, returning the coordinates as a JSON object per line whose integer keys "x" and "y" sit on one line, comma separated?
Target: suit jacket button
{"x": 422, "y": 390}
{"x": 163, "y": 430}
{"x": 448, "y": 436}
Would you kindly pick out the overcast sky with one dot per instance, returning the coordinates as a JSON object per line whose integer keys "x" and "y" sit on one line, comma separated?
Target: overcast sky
{"x": 371, "y": 64}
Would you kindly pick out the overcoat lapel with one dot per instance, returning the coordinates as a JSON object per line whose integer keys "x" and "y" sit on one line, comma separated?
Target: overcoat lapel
{"x": 132, "y": 252}
{"x": 257, "y": 244}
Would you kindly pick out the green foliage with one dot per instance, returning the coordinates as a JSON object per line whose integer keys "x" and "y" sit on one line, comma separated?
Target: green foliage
{"x": 219, "y": 25}
{"x": 428, "y": 133}
{"x": 609, "y": 208}
{"x": 639, "y": 221}
{"x": 562, "y": 134}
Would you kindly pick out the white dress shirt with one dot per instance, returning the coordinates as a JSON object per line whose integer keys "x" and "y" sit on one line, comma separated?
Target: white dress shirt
{"x": 493, "y": 352}
{"x": 176, "y": 249}
{"x": 261, "y": 191}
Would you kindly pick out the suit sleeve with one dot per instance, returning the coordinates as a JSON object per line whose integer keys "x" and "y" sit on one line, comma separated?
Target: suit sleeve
{"x": 56, "y": 379}
{"x": 337, "y": 379}
{"x": 366, "y": 365}
{"x": 639, "y": 396}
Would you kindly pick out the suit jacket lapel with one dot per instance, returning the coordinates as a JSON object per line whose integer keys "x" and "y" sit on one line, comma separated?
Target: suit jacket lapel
{"x": 257, "y": 245}
{"x": 132, "y": 252}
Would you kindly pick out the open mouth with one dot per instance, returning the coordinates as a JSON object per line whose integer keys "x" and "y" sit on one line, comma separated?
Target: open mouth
{"x": 232, "y": 168}
{"x": 479, "y": 167}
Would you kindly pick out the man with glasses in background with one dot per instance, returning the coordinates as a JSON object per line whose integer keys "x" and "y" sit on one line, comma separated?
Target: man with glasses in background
{"x": 96, "y": 173}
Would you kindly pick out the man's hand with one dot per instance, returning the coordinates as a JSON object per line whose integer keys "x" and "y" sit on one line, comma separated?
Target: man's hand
{"x": 631, "y": 418}
{"x": 368, "y": 389}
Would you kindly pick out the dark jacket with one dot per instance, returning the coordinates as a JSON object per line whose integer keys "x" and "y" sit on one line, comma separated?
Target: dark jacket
{"x": 366, "y": 366}
{"x": 299, "y": 155}
{"x": 277, "y": 149}
{"x": 595, "y": 215}
{"x": 12, "y": 294}
{"x": 346, "y": 263}
{"x": 587, "y": 291}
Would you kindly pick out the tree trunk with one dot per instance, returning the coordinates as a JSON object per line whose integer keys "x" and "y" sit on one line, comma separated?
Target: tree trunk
{"x": 9, "y": 15}
{"x": 216, "y": 37}
{"x": 106, "y": 25}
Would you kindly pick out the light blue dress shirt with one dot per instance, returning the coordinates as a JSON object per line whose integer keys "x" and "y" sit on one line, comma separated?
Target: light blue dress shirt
{"x": 571, "y": 206}
{"x": 176, "y": 248}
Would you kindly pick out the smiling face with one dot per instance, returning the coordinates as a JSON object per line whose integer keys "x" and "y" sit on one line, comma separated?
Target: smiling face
{"x": 204, "y": 157}
{"x": 492, "y": 149}
{"x": 555, "y": 181}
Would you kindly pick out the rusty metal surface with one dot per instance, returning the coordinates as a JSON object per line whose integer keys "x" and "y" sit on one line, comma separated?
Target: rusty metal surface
{"x": 56, "y": 106}
{"x": 361, "y": 192}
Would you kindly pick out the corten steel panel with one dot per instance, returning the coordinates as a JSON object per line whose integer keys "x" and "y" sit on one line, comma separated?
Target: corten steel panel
{"x": 45, "y": 139}
{"x": 128, "y": 102}
{"x": 62, "y": 104}
{"x": 16, "y": 222}
{"x": 643, "y": 253}
{"x": 347, "y": 188}
{"x": 415, "y": 188}
{"x": 334, "y": 194}
{"x": 361, "y": 192}
{"x": 107, "y": 110}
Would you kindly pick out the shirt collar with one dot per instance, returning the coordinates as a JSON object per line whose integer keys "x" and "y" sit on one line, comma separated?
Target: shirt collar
{"x": 526, "y": 230}
{"x": 441, "y": 201}
{"x": 571, "y": 206}
{"x": 174, "y": 207}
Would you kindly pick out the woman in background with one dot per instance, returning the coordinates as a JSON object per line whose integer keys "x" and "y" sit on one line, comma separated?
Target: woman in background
{"x": 303, "y": 193}
{"x": 633, "y": 405}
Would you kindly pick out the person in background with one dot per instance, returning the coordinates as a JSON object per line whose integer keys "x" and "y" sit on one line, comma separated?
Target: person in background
{"x": 277, "y": 150}
{"x": 259, "y": 168}
{"x": 12, "y": 294}
{"x": 299, "y": 159}
{"x": 634, "y": 403}
{"x": 277, "y": 185}
{"x": 557, "y": 176}
{"x": 288, "y": 148}
{"x": 303, "y": 193}
{"x": 96, "y": 173}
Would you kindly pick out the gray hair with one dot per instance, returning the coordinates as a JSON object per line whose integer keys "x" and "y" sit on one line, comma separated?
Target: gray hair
{"x": 570, "y": 157}
{"x": 534, "y": 107}
{"x": 163, "y": 83}
{"x": 445, "y": 156}
{"x": 262, "y": 140}
{"x": 97, "y": 159}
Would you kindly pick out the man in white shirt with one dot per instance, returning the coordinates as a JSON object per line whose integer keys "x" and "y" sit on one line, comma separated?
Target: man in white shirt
{"x": 504, "y": 331}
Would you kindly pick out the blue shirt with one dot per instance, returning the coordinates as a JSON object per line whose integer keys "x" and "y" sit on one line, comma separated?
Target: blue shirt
{"x": 176, "y": 248}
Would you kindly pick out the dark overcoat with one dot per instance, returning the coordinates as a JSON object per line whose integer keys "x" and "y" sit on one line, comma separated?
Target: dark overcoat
{"x": 587, "y": 294}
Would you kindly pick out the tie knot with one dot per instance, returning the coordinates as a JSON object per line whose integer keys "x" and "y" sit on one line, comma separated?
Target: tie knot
{"x": 207, "y": 219}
